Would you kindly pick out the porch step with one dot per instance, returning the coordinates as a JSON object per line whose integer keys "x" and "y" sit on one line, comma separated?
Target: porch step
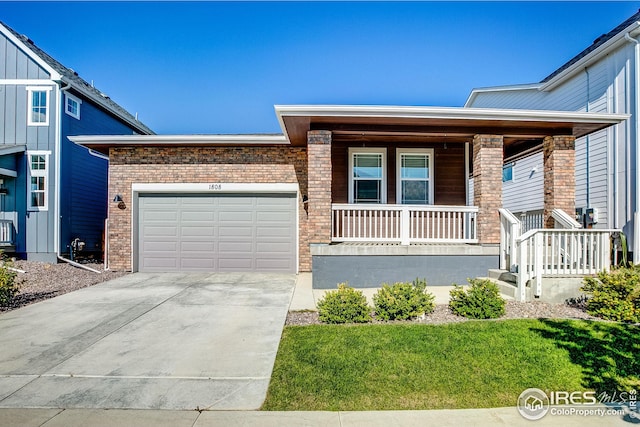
{"x": 503, "y": 275}
{"x": 507, "y": 290}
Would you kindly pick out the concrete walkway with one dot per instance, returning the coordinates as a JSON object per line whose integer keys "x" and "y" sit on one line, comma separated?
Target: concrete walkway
{"x": 147, "y": 341}
{"x": 508, "y": 417}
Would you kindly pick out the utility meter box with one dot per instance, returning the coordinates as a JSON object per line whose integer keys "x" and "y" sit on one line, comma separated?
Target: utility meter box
{"x": 591, "y": 216}
{"x": 580, "y": 215}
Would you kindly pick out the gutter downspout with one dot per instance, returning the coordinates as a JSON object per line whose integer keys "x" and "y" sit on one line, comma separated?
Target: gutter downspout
{"x": 58, "y": 149}
{"x": 636, "y": 106}
{"x": 587, "y": 142}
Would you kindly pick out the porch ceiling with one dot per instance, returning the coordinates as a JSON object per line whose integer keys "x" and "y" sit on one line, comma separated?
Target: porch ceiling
{"x": 521, "y": 128}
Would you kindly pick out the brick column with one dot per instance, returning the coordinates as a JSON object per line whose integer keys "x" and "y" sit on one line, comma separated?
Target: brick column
{"x": 319, "y": 185}
{"x": 559, "y": 176}
{"x": 487, "y": 186}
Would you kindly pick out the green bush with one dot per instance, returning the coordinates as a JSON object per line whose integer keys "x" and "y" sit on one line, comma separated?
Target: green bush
{"x": 8, "y": 286}
{"x": 614, "y": 295}
{"x": 481, "y": 301}
{"x": 344, "y": 305}
{"x": 403, "y": 300}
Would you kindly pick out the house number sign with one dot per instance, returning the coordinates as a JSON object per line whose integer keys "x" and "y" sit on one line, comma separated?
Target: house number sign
{"x": 215, "y": 186}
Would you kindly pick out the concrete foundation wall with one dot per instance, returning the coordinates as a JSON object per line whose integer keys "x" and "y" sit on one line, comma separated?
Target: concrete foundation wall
{"x": 371, "y": 271}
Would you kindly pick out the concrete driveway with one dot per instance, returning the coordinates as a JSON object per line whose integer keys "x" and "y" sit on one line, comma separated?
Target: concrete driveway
{"x": 147, "y": 341}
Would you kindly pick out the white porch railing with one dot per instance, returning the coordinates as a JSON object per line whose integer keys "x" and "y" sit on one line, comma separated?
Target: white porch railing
{"x": 6, "y": 232}
{"x": 510, "y": 230}
{"x": 404, "y": 224}
{"x": 560, "y": 252}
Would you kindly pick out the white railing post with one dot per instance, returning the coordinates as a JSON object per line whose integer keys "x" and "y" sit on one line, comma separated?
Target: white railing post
{"x": 539, "y": 261}
{"x": 405, "y": 226}
{"x": 523, "y": 274}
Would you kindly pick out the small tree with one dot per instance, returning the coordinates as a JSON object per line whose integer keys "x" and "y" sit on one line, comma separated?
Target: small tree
{"x": 403, "y": 300}
{"x": 8, "y": 286}
{"x": 481, "y": 301}
{"x": 344, "y": 305}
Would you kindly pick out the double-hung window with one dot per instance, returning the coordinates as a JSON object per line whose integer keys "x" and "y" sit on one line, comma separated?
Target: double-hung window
{"x": 72, "y": 105}
{"x": 38, "y": 102}
{"x": 367, "y": 181}
{"x": 38, "y": 198}
{"x": 415, "y": 176}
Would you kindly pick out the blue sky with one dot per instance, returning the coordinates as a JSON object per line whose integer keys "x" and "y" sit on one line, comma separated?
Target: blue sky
{"x": 219, "y": 67}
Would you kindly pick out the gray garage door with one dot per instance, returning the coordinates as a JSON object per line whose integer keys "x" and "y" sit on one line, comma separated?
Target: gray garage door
{"x": 217, "y": 233}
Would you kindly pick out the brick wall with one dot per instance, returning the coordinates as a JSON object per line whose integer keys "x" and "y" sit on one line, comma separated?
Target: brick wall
{"x": 319, "y": 158}
{"x": 487, "y": 177}
{"x": 559, "y": 176}
{"x": 259, "y": 164}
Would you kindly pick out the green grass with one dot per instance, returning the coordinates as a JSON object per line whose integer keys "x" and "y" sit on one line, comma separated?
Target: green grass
{"x": 464, "y": 365}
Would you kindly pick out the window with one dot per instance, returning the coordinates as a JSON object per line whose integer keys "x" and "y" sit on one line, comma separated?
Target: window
{"x": 38, "y": 101}
{"x": 367, "y": 179}
{"x": 72, "y": 106}
{"x": 415, "y": 182}
{"x": 507, "y": 173}
{"x": 38, "y": 180}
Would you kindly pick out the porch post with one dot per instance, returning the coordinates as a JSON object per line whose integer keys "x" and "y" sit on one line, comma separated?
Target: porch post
{"x": 559, "y": 176}
{"x": 319, "y": 186}
{"x": 487, "y": 186}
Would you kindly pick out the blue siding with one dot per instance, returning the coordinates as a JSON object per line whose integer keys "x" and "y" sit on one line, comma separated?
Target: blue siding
{"x": 84, "y": 178}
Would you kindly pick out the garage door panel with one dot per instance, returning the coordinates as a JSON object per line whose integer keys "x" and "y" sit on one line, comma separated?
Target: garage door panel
{"x": 198, "y": 216}
{"x": 193, "y": 231}
{"x": 158, "y": 231}
{"x": 194, "y": 246}
{"x": 217, "y": 233}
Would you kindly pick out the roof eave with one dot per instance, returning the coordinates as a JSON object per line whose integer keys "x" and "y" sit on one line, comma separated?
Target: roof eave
{"x": 611, "y": 44}
{"x": 98, "y": 100}
{"x": 102, "y": 143}
{"x": 54, "y": 75}
{"x": 511, "y": 88}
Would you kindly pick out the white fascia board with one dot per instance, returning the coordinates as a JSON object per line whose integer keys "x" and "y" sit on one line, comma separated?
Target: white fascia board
{"x": 595, "y": 55}
{"x": 453, "y": 113}
{"x": 214, "y": 187}
{"x": 54, "y": 75}
{"x": 511, "y": 88}
{"x": 128, "y": 140}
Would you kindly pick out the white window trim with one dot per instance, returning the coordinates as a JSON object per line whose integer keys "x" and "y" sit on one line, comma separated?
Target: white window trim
{"x": 356, "y": 150}
{"x": 68, "y": 96}
{"x": 30, "y": 90}
{"x": 399, "y": 153}
{"x": 43, "y": 173}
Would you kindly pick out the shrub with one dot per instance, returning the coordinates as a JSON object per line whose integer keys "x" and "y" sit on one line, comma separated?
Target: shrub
{"x": 614, "y": 295}
{"x": 344, "y": 305}
{"x": 481, "y": 301}
{"x": 403, "y": 300}
{"x": 8, "y": 286}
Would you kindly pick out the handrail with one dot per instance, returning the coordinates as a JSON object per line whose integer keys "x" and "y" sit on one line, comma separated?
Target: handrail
{"x": 510, "y": 228}
{"x": 564, "y": 219}
{"x": 560, "y": 252}
{"x": 391, "y": 207}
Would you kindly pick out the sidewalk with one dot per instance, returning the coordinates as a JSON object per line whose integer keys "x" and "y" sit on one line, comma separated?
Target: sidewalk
{"x": 150, "y": 418}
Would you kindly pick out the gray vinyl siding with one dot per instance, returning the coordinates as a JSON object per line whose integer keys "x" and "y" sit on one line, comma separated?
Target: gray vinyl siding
{"x": 611, "y": 158}
{"x": 524, "y": 193}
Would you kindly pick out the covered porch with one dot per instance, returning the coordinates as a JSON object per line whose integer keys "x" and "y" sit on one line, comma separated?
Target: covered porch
{"x": 388, "y": 195}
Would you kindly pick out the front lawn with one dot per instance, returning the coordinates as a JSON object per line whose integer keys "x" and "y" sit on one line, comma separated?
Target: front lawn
{"x": 463, "y": 365}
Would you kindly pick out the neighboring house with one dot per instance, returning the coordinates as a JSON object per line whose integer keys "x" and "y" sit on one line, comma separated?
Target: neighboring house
{"x": 364, "y": 194}
{"x": 51, "y": 190}
{"x": 604, "y": 78}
